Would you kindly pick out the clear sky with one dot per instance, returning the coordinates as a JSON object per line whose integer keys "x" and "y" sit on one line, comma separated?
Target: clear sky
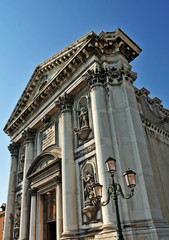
{"x": 31, "y": 31}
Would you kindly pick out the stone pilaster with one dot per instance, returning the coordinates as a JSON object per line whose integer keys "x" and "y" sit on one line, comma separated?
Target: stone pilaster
{"x": 32, "y": 230}
{"x": 9, "y": 214}
{"x": 96, "y": 80}
{"x": 28, "y": 136}
{"x": 59, "y": 218}
{"x": 130, "y": 149}
{"x": 69, "y": 201}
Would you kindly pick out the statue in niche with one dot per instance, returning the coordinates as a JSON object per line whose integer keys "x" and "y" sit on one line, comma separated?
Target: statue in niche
{"x": 91, "y": 203}
{"x": 21, "y": 166}
{"x": 83, "y": 118}
{"x": 17, "y": 212}
{"x": 88, "y": 188}
{"x": 84, "y": 130}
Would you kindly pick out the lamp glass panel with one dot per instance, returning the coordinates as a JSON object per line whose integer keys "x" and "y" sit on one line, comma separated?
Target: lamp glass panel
{"x": 98, "y": 190}
{"x": 111, "y": 165}
{"x": 130, "y": 179}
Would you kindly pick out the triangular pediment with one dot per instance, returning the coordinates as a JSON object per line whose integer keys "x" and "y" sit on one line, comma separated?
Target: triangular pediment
{"x": 66, "y": 61}
{"x": 49, "y": 76}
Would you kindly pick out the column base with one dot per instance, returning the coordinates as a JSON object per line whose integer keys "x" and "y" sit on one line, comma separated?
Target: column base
{"x": 109, "y": 227}
{"x": 70, "y": 235}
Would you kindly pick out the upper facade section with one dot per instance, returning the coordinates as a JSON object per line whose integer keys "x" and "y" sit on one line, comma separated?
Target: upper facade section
{"x": 52, "y": 74}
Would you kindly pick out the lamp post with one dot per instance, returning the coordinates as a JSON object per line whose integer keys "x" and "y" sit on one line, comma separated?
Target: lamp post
{"x": 115, "y": 189}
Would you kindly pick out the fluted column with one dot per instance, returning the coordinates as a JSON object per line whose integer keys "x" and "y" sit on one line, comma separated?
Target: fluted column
{"x": 68, "y": 167}
{"x": 9, "y": 213}
{"x": 32, "y": 230}
{"x": 28, "y": 135}
{"x": 58, "y": 207}
{"x": 103, "y": 142}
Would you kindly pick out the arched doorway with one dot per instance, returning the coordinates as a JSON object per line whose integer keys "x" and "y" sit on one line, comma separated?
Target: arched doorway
{"x": 42, "y": 175}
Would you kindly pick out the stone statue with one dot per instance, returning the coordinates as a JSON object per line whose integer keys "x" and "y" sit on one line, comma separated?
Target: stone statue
{"x": 88, "y": 189}
{"x": 83, "y": 118}
{"x": 18, "y": 212}
{"x": 21, "y": 167}
{"x": 84, "y": 130}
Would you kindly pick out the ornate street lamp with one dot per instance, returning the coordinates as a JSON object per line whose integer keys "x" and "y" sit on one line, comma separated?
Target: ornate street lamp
{"x": 115, "y": 189}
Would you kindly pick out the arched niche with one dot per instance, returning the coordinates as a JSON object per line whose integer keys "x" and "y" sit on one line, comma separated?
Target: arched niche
{"x": 82, "y": 118}
{"x": 90, "y": 211}
{"x": 21, "y": 164}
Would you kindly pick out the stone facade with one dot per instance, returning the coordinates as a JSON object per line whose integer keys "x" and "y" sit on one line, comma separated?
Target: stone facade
{"x": 79, "y": 107}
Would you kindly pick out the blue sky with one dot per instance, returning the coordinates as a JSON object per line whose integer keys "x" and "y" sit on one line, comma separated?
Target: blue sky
{"x": 32, "y": 31}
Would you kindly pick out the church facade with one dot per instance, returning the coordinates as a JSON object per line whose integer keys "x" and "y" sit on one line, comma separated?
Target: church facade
{"x": 80, "y": 107}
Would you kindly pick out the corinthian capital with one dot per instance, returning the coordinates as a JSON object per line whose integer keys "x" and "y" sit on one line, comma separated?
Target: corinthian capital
{"x": 29, "y": 135}
{"x": 14, "y": 148}
{"x": 102, "y": 75}
{"x": 33, "y": 191}
{"x": 95, "y": 77}
{"x": 64, "y": 103}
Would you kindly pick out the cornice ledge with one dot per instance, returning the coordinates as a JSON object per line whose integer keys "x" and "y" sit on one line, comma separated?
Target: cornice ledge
{"x": 146, "y": 123}
{"x": 144, "y": 92}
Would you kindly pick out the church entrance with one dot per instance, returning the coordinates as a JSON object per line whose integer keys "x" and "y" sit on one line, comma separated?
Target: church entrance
{"x": 49, "y": 213}
{"x": 51, "y": 230}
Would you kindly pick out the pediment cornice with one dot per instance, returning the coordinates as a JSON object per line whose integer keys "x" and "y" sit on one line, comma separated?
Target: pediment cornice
{"x": 63, "y": 65}
{"x": 152, "y": 101}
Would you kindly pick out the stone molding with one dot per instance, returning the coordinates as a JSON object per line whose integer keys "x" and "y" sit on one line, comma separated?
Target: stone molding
{"x": 14, "y": 148}
{"x": 64, "y": 103}
{"x": 29, "y": 135}
{"x": 153, "y": 128}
